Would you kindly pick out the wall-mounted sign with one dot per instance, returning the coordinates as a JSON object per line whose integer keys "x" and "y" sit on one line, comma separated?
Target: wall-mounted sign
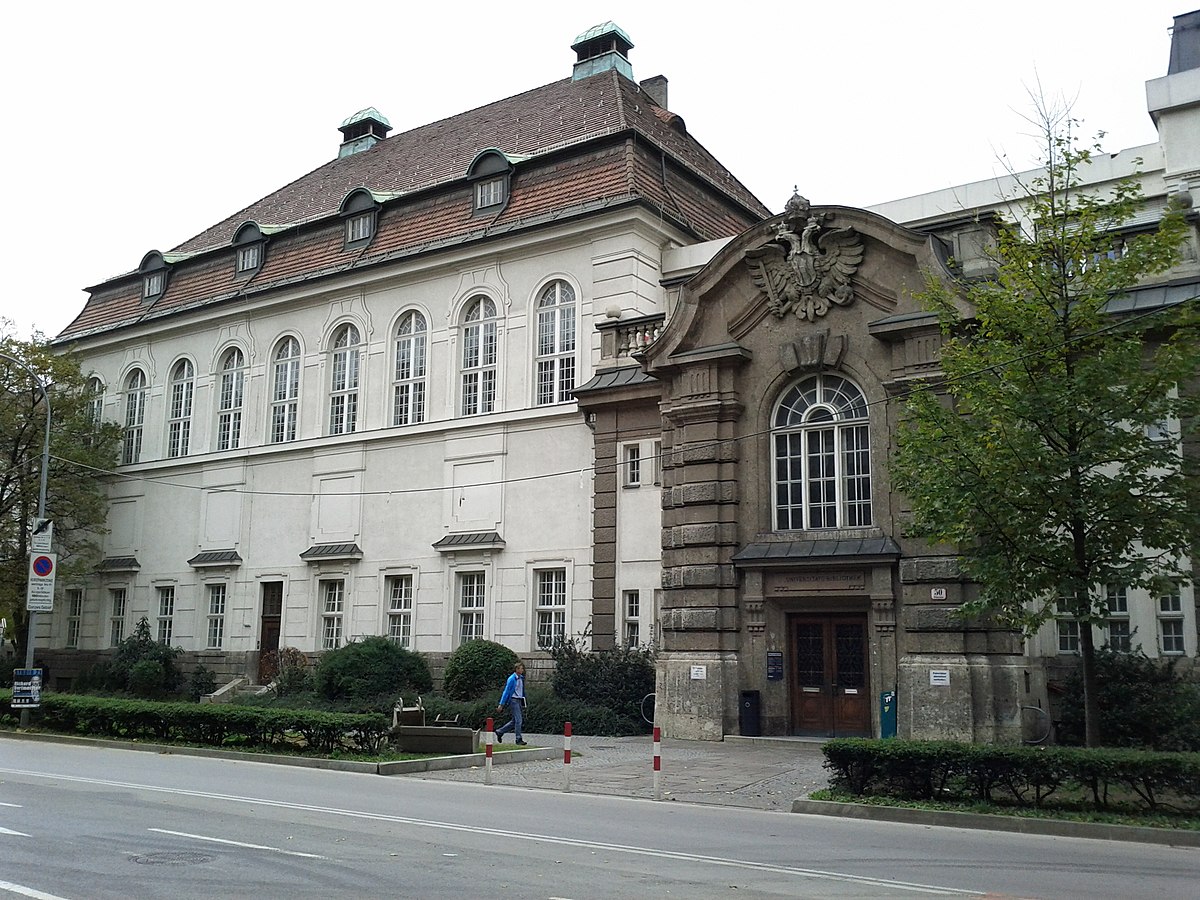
{"x": 939, "y": 677}
{"x": 774, "y": 665}
{"x": 699, "y": 673}
{"x": 937, "y": 593}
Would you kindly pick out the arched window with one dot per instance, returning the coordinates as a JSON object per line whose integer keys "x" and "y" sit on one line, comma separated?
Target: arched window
{"x": 822, "y": 455}
{"x": 555, "y": 357}
{"x": 343, "y": 383}
{"x": 285, "y": 391}
{"x": 408, "y": 400}
{"x": 479, "y": 357}
{"x": 93, "y": 394}
{"x": 135, "y": 417}
{"x": 229, "y": 402}
{"x": 179, "y": 423}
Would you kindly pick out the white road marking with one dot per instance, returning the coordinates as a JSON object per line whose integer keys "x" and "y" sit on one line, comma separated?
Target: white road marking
{"x": 217, "y": 840}
{"x": 9, "y": 831}
{"x": 27, "y": 891}
{"x": 797, "y": 871}
{"x": 13, "y": 805}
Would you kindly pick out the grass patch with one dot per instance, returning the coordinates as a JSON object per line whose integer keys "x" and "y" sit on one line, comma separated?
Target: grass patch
{"x": 1065, "y": 813}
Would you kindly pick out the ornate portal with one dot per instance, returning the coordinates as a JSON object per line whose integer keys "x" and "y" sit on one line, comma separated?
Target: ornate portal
{"x": 807, "y": 267}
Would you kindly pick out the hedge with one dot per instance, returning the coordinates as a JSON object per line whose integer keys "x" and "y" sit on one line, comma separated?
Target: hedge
{"x": 1012, "y": 775}
{"x": 211, "y": 724}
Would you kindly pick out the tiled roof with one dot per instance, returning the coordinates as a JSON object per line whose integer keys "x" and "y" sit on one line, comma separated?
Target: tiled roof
{"x": 215, "y": 558}
{"x": 119, "y": 564}
{"x": 592, "y": 144}
{"x": 608, "y": 379}
{"x": 318, "y": 552}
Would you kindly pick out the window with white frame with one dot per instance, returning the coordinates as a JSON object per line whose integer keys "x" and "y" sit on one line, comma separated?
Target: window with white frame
{"x": 116, "y": 616}
{"x": 656, "y": 462}
{"x": 1170, "y": 620}
{"x": 343, "y": 384}
{"x": 74, "y": 616}
{"x": 1068, "y": 636}
{"x": 153, "y": 284}
{"x": 285, "y": 391}
{"x": 551, "y": 607}
{"x": 216, "y": 616}
{"x": 408, "y": 397}
{"x": 1120, "y": 636}
{"x": 471, "y": 593}
{"x": 94, "y": 394}
{"x": 179, "y": 421}
{"x": 555, "y": 358}
{"x": 631, "y": 613}
{"x": 166, "y": 614}
{"x": 489, "y": 192}
{"x": 822, "y": 455}
{"x": 479, "y": 357}
{"x": 359, "y": 228}
{"x": 400, "y": 609}
{"x": 333, "y": 604}
{"x": 248, "y": 258}
{"x": 229, "y": 402}
{"x": 136, "y": 389}
{"x": 632, "y": 463}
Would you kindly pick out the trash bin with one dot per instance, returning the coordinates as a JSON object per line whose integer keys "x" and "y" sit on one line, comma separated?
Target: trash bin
{"x": 750, "y": 714}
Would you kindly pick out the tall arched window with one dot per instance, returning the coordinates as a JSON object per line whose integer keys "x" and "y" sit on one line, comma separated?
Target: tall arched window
{"x": 94, "y": 396}
{"x": 229, "y": 402}
{"x": 479, "y": 357}
{"x": 555, "y": 357}
{"x": 179, "y": 423}
{"x": 285, "y": 391}
{"x": 135, "y": 417}
{"x": 822, "y": 455}
{"x": 343, "y": 383}
{"x": 408, "y": 401}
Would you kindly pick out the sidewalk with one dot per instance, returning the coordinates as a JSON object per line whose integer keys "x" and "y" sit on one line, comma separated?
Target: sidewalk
{"x": 756, "y": 773}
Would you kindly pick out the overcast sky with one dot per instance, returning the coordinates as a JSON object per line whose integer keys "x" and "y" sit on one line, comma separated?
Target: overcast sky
{"x": 132, "y": 126}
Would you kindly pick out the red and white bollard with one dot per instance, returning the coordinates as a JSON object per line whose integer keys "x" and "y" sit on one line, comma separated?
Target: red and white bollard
{"x": 487, "y": 751}
{"x": 567, "y": 757}
{"x": 657, "y": 763}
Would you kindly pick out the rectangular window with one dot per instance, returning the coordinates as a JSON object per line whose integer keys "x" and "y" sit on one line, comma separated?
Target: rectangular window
{"x": 489, "y": 193}
{"x": 358, "y": 228}
{"x": 632, "y": 608}
{"x": 1172, "y": 635}
{"x": 152, "y": 285}
{"x": 229, "y": 421}
{"x": 116, "y": 597}
{"x": 633, "y": 465}
{"x": 1116, "y": 597}
{"x": 1068, "y": 636}
{"x": 216, "y": 616}
{"x": 1170, "y": 602}
{"x": 551, "y": 607}
{"x": 856, "y": 474}
{"x": 1119, "y": 636}
{"x": 400, "y": 609}
{"x": 74, "y": 616}
{"x": 249, "y": 257}
{"x": 333, "y": 601}
{"x": 471, "y": 589}
{"x": 166, "y": 614}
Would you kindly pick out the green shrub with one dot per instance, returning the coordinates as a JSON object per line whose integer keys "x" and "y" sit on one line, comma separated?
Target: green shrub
{"x": 544, "y": 714}
{"x": 147, "y": 679}
{"x": 615, "y": 679}
{"x": 117, "y": 674}
{"x": 476, "y": 668}
{"x": 292, "y": 675}
{"x": 371, "y": 671}
{"x": 1143, "y": 703}
{"x": 202, "y": 681}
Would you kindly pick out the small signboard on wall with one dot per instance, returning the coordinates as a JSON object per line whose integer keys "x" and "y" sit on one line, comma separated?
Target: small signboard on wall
{"x": 699, "y": 673}
{"x": 774, "y": 665}
{"x": 939, "y": 677}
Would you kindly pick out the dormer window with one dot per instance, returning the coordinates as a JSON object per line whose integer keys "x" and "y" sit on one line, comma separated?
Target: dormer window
{"x": 359, "y": 210}
{"x": 489, "y": 193}
{"x": 491, "y": 175}
{"x": 152, "y": 285}
{"x": 249, "y": 243}
{"x": 153, "y": 270}
{"x": 249, "y": 258}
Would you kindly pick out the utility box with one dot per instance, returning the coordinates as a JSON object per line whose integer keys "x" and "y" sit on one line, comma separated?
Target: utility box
{"x": 887, "y": 714}
{"x": 750, "y": 714}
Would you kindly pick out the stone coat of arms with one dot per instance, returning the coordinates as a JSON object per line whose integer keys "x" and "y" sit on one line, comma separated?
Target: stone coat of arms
{"x": 807, "y": 267}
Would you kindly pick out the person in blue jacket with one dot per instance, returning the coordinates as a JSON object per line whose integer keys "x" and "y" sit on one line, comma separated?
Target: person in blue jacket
{"x": 514, "y": 698}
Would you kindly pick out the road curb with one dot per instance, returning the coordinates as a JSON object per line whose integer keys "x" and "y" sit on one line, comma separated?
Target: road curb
{"x": 396, "y": 767}
{"x": 1170, "y": 837}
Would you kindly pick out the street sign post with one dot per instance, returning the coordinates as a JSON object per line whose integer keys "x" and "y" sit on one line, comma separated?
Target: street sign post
{"x": 39, "y": 597}
{"x": 27, "y": 688}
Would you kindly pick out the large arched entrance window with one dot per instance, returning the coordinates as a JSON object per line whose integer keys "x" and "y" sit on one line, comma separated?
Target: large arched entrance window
{"x": 822, "y": 455}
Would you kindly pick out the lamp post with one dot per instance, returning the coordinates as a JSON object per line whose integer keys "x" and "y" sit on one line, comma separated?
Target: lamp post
{"x": 41, "y": 513}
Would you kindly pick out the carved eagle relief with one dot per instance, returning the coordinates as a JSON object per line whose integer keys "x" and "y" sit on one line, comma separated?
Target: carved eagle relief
{"x": 806, "y": 271}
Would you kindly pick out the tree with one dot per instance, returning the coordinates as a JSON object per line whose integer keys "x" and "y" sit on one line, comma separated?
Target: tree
{"x": 1039, "y": 452}
{"x": 79, "y": 447}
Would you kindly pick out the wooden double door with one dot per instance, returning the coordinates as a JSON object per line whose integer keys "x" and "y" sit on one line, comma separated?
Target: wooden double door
{"x": 830, "y": 680}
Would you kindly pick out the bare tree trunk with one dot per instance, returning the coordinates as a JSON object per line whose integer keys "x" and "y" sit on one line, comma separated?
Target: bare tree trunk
{"x": 1091, "y": 691}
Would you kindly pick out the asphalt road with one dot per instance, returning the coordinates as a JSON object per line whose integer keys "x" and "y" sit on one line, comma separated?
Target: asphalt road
{"x": 85, "y": 822}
